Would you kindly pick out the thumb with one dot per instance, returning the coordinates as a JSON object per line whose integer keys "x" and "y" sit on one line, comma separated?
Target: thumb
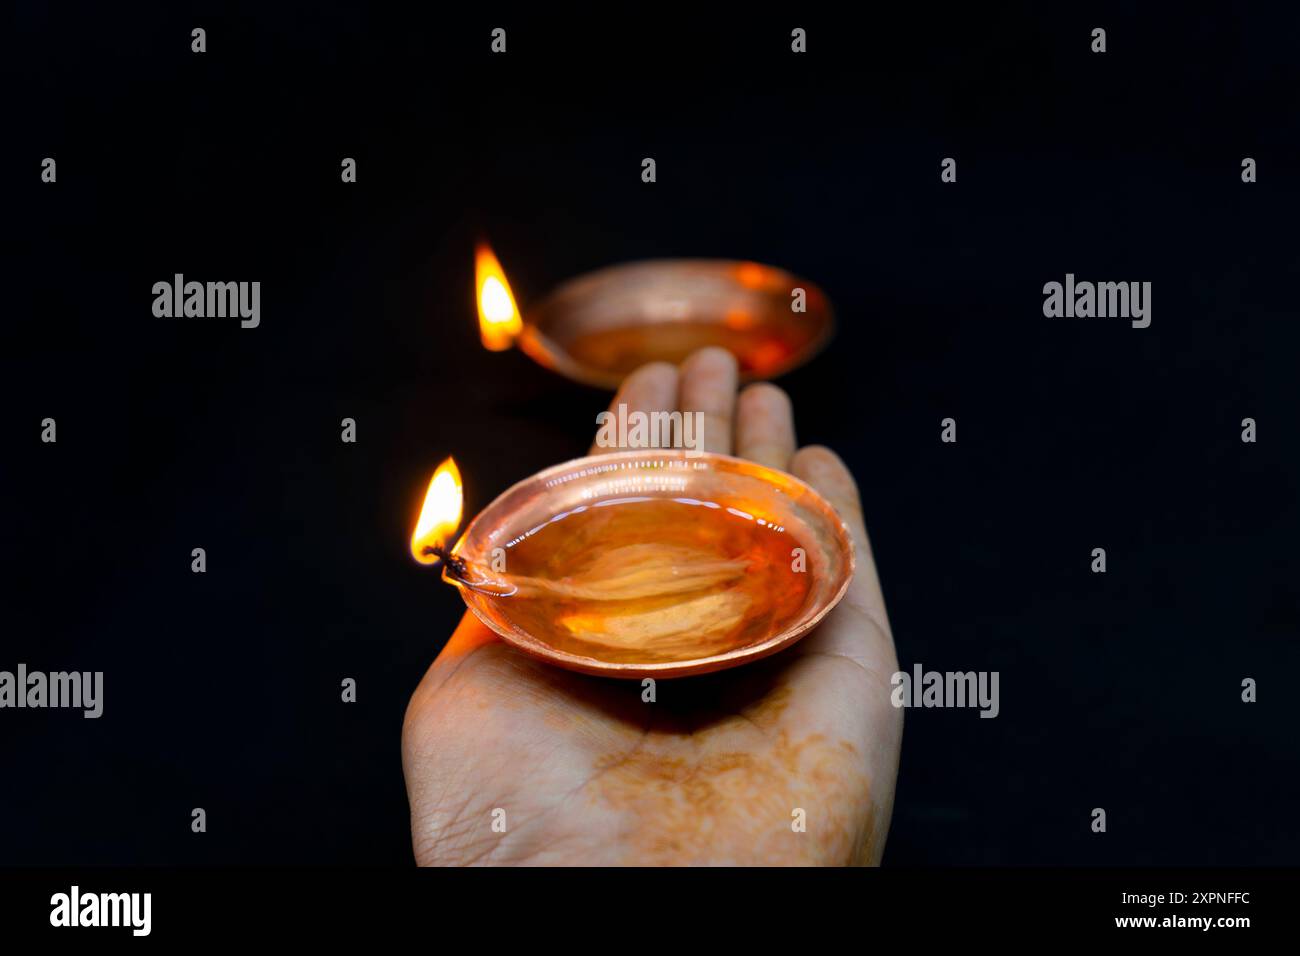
{"x": 827, "y": 474}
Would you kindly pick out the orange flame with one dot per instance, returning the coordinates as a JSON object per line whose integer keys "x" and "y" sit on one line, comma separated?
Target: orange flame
{"x": 499, "y": 322}
{"x": 440, "y": 516}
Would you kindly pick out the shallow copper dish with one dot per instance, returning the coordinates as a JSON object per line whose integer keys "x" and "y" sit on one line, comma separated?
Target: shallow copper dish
{"x": 809, "y": 519}
{"x": 598, "y": 327}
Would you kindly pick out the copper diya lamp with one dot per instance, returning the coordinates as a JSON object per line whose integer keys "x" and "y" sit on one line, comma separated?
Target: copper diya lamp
{"x": 649, "y": 563}
{"x": 598, "y": 327}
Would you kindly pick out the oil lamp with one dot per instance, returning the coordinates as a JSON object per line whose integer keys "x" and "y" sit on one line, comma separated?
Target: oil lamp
{"x": 598, "y": 327}
{"x": 647, "y": 563}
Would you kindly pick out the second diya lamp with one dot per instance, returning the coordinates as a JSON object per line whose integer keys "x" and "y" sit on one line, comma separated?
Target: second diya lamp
{"x": 598, "y": 327}
{"x": 650, "y": 563}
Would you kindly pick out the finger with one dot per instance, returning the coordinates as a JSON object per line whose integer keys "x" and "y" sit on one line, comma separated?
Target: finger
{"x": 651, "y": 388}
{"x": 765, "y": 426}
{"x": 823, "y": 469}
{"x": 708, "y": 385}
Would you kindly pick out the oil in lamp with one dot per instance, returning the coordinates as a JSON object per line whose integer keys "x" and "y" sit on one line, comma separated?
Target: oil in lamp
{"x": 597, "y": 328}
{"x": 643, "y": 563}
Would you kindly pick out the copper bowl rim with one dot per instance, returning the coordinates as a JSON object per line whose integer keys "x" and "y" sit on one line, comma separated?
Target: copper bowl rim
{"x": 587, "y": 665}
{"x": 548, "y": 353}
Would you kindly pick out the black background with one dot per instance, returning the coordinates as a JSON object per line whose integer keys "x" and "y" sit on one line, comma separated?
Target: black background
{"x": 222, "y": 690}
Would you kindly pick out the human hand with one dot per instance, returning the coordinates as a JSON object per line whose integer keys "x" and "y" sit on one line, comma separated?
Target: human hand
{"x": 715, "y": 769}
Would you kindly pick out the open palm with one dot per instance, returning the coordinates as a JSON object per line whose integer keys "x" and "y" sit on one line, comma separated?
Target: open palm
{"x": 788, "y": 760}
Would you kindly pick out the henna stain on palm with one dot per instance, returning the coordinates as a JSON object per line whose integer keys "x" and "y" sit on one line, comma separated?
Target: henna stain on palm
{"x": 736, "y": 805}
{"x": 767, "y": 712}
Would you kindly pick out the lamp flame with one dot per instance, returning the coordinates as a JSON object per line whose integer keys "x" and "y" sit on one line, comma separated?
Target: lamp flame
{"x": 440, "y": 516}
{"x": 499, "y": 322}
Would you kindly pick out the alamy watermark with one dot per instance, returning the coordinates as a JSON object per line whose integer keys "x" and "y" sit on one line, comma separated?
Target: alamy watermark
{"x": 75, "y": 908}
{"x": 624, "y": 429}
{"x": 923, "y": 688}
{"x": 179, "y": 299}
{"x": 36, "y": 689}
{"x": 1098, "y": 300}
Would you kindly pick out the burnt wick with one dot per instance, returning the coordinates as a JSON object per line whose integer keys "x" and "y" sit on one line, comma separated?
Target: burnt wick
{"x": 472, "y": 576}
{"x": 457, "y": 567}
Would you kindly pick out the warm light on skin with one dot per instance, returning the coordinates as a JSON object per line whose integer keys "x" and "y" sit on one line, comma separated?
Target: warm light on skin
{"x": 499, "y": 321}
{"x": 440, "y": 516}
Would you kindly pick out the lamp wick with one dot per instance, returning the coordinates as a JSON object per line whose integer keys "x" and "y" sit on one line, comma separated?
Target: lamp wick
{"x": 454, "y": 564}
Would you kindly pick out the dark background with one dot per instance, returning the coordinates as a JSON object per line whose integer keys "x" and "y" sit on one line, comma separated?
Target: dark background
{"x": 222, "y": 690}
